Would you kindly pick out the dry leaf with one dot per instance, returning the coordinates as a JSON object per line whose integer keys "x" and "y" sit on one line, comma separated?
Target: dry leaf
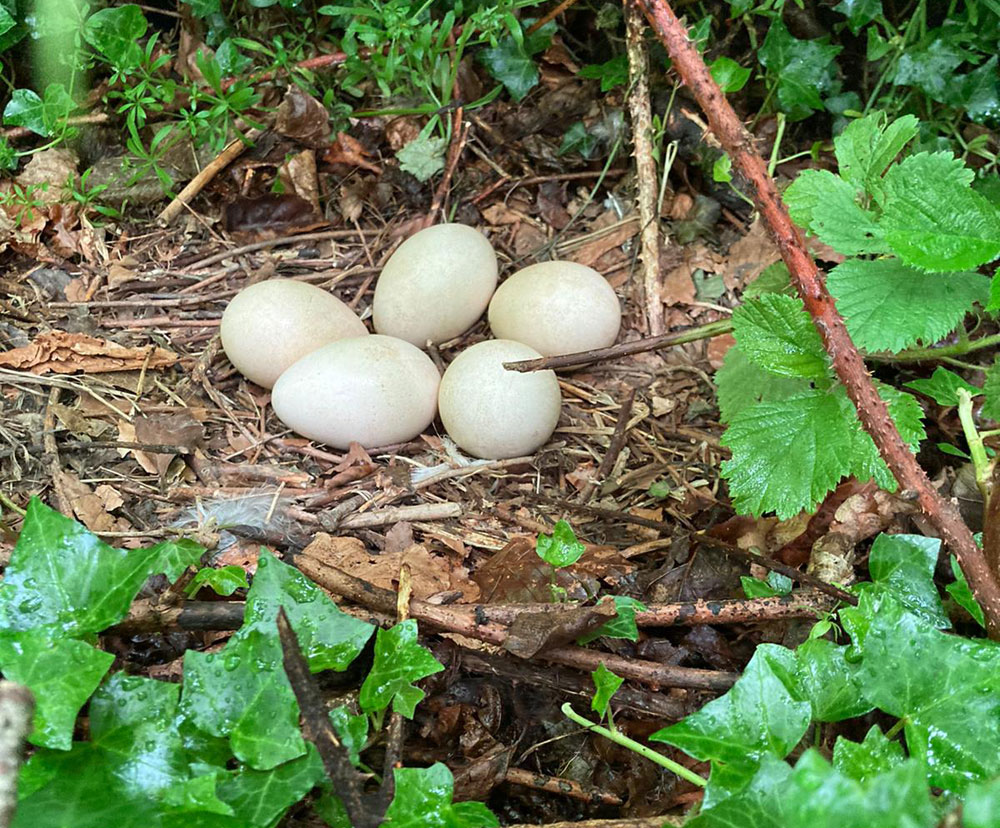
{"x": 59, "y": 352}
{"x": 172, "y": 429}
{"x": 302, "y": 117}
{"x": 89, "y": 507}
{"x": 348, "y": 150}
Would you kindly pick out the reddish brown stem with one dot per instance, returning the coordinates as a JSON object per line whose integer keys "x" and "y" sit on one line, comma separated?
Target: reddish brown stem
{"x": 846, "y": 359}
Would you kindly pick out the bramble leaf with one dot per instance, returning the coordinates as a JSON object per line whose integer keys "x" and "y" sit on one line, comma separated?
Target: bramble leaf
{"x": 991, "y": 390}
{"x": 826, "y": 205}
{"x": 775, "y": 332}
{"x": 888, "y": 306}
{"x": 741, "y": 383}
{"x": 867, "y": 146}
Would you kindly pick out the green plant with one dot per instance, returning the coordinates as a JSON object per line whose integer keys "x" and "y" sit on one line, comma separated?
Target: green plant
{"x": 224, "y": 749}
{"x": 914, "y": 231}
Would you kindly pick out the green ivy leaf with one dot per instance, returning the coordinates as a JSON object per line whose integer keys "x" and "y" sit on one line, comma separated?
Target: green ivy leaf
{"x": 262, "y": 797}
{"x": 423, "y": 799}
{"x": 730, "y": 76}
{"x": 981, "y": 92}
{"x": 762, "y": 714}
{"x": 60, "y": 672}
{"x": 889, "y": 306}
{"x": 622, "y": 625}
{"x": 115, "y": 32}
{"x": 204, "y": 8}
{"x": 859, "y": 12}
{"x": 352, "y": 730}
{"x": 962, "y": 595}
{"x": 904, "y": 565}
{"x": 982, "y": 804}
{"x": 946, "y": 688}
{"x": 175, "y": 556}
{"x": 933, "y": 219}
{"x": 606, "y": 684}
{"x": 611, "y": 73}
{"x": 829, "y": 681}
{"x": 929, "y": 67}
{"x": 867, "y": 759}
{"x": 775, "y": 332}
{"x": 42, "y": 115}
{"x": 223, "y": 581}
{"x": 63, "y": 576}
{"x": 802, "y": 69}
{"x": 740, "y": 383}
{"x": 775, "y": 585}
{"x": 510, "y": 61}
{"x": 399, "y": 661}
{"x": 561, "y": 548}
{"x": 943, "y": 386}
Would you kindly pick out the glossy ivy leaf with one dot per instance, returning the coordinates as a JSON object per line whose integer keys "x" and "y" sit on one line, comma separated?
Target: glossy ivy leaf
{"x": 889, "y": 306}
{"x": 611, "y": 73}
{"x": 511, "y": 60}
{"x": 982, "y": 804}
{"x": 867, "y": 759}
{"x": 775, "y": 332}
{"x": 352, "y": 730}
{"x": 331, "y": 810}
{"x": 260, "y": 798}
{"x": 115, "y": 32}
{"x": 991, "y": 391}
{"x": 802, "y": 69}
{"x": 826, "y": 205}
{"x": 775, "y": 585}
{"x": 423, "y": 800}
{"x": 223, "y": 581}
{"x": 946, "y": 688}
{"x": 42, "y": 115}
{"x": 829, "y": 681}
{"x": 62, "y": 673}
{"x": 241, "y": 693}
{"x": 933, "y": 219}
{"x": 740, "y": 383}
{"x": 868, "y": 145}
{"x": 859, "y": 12}
{"x": 578, "y": 139}
{"x": 204, "y": 8}
{"x": 981, "y": 92}
{"x": 962, "y": 595}
{"x": 400, "y": 660}
{"x": 904, "y": 565}
{"x": 929, "y": 66}
{"x": 64, "y": 577}
{"x": 606, "y": 684}
{"x": 762, "y": 714}
{"x": 329, "y": 639}
{"x": 622, "y": 625}
{"x": 730, "y": 76}
{"x": 751, "y": 799}
{"x": 943, "y": 386}
{"x": 175, "y": 556}
{"x": 423, "y": 157}
{"x": 787, "y": 455}
{"x": 561, "y": 548}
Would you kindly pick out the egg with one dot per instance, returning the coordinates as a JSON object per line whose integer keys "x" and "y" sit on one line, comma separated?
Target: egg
{"x": 435, "y": 285}
{"x": 373, "y": 390}
{"x": 556, "y": 308}
{"x": 491, "y": 412}
{"x": 270, "y": 325}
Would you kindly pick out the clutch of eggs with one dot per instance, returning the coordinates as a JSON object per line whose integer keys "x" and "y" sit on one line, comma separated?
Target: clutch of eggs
{"x": 335, "y": 383}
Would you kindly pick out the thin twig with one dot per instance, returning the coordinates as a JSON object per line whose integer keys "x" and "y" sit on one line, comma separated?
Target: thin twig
{"x": 618, "y": 437}
{"x": 845, "y": 358}
{"x": 266, "y": 244}
{"x": 639, "y": 346}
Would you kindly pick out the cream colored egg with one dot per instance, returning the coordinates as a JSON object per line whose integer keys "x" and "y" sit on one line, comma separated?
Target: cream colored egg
{"x": 556, "y": 308}
{"x": 491, "y": 412}
{"x": 270, "y": 325}
{"x": 374, "y": 390}
{"x": 436, "y": 285}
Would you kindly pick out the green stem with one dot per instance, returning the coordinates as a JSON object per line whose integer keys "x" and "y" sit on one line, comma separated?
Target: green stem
{"x": 10, "y": 504}
{"x": 922, "y": 354}
{"x": 620, "y": 739}
{"x": 980, "y": 460}
{"x": 773, "y": 162}
{"x": 892, "y": 731}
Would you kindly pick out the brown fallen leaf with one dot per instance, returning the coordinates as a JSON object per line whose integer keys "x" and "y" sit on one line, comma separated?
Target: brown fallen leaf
{"x": 59, "y": 352}
{"x": 348, "y": 150}
{"x": 533, "y": 632}
{"x": 90, "y": 508}
{"x": 172, "y": 429}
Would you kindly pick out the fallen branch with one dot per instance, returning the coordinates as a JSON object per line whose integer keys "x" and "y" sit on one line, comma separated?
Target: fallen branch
{"x": 846, "y": 360}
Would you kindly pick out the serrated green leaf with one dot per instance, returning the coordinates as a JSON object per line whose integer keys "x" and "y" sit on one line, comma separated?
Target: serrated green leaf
{"x": 932, "y": 218}
{"x": 889, "y": 306}
{"x": 775, "y": 332}
{"x": 561, "y": 548}
{"x": 115, "y": 32}
{"x": 829, "y": 681}
{"x": 904, "y": 565}
{"x": 60, "y": 672}
{"x": 943, "y": 386}
{"x": 802, "y": 69}
{"x": 991, "y": 391}
{"x": 946, "y": 688}
{"x": 423, "y": 157}
{"x": 64, "y": 577}
{"x": 399, "y": 661}
{"x": 606, "y": 684}
{"x": 867, "y": 759}
{"x": 772, "y": 279}
{"x": 787, "y": 455}
{"x": 962, "y": 595}
{"x": 762, "y": 714}
{"x": 866, "y": 463}
{"x": 740, "y": 384}
{"x": 423, "y": 799}
{"x": 868, "y": 146}
{"x": 826, "y": 205}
